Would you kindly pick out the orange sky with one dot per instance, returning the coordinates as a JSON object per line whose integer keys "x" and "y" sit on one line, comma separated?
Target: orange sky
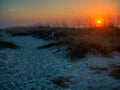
{"x": 40, "y": 11}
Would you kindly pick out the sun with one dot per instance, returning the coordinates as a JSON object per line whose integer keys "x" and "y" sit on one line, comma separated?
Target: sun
{"x": 99, "y": 22}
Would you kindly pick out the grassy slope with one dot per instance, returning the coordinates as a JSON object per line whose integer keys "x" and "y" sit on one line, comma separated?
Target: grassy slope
{"x": 80, "y": 41}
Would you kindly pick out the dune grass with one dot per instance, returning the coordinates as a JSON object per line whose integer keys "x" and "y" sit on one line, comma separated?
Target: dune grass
{"x": 63, "y": 82}
{"x": 80, "y": 41}
{"x": 115, "y": 71}
{"x": 50, "y": 45}
{"x": 5, "y": 44}
{"x": 103, "y": 42}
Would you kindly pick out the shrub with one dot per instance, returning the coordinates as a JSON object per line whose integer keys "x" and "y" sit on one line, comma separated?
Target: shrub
{"x": 63, "y": 82}
{"x": 79, "y": 47}
{"x": 52, "y": 44}
{"x": 114, "y": 66}
{"x": 115, "y": 73}
{"x": 5, "y": 44}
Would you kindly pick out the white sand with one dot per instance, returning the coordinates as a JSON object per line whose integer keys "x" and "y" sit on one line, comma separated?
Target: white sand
{"x": 28, "y": 68}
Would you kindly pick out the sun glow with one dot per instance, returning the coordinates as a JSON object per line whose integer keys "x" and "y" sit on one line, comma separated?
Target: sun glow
{"x": 99, "y": 22}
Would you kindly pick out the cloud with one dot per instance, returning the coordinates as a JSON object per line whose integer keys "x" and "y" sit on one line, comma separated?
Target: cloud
{"x": 12, "y": 10}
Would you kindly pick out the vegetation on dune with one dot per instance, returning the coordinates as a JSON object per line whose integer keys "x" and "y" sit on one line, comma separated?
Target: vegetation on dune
{"x": 80, "y": 47}
{"x": 101, "y": 41}
{"x": 112, "y": 69}
{"x": 5, "y": 44}
{"x": 80, "y": 41}
{"x": 50, "y": 45}
{"x": 115, "y": 71}
{"x": 63, "y": 82}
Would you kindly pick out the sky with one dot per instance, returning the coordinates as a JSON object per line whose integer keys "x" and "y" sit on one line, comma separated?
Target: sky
{"x": 25, "y": 12}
